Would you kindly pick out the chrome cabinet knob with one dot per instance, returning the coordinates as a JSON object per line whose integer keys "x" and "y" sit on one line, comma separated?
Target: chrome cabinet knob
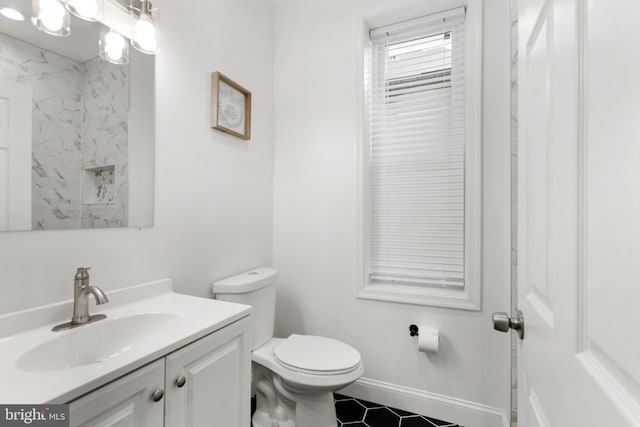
{"x": 181, "y": 381}
{"x": 157, "y": 395}
{"x": 502, "y": 322}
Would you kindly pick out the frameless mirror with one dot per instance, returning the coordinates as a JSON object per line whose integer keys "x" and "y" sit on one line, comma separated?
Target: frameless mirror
{"x": 76, "y": 132}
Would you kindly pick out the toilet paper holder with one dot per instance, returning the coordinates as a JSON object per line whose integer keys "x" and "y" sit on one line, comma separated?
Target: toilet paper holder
{"x": 413, "y": 330}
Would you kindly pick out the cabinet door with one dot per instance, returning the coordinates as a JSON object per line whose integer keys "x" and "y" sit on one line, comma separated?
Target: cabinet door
{"x": 217, "y": 370}
{"x": 126, "y": 402}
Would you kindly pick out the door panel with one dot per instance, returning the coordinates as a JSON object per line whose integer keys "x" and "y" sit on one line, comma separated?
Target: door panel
{"x": 4, "y": 188}
{"x": 217, "y": 370}
{"x": 612, "y": 200}
{"x": 578, "y": 214}
{"x": 124, "y": 403}
{"x": 536, "y": 414}
{"x": 538, "y": 109}
{"x": 15, "y": 156}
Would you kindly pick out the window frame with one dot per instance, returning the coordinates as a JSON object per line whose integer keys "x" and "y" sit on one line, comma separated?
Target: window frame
{"x": 469, "y": 297}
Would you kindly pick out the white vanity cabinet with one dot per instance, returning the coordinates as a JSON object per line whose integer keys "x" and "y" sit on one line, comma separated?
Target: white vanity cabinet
{"x": 205, "y": 383}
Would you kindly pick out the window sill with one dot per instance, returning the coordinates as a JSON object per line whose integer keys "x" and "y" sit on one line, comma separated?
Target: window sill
{"x": 437, "y": 297}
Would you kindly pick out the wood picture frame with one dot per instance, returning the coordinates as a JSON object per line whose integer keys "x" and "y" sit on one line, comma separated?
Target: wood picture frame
{"x": 230, "y": 106}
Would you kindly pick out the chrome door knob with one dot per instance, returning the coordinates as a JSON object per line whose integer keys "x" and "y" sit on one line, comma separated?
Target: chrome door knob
{"x": 157, "y": 395}
{"x": 502, "y": 322}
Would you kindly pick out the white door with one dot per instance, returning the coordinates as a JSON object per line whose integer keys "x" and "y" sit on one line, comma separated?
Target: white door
{"x": 135, "y": 400}
{"x": 15, "y": 156}
{"x": 208, "y": 382}
{"x": 579, "y": 212}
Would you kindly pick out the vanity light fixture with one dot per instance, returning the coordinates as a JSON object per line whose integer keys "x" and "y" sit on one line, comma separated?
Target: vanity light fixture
{"x": 144, "y": 36}
{"x": 113, "y": 46}
{"x": 89, "y": 10}
{"x": 11, "y": 13}
{"x": 51, "y": 17}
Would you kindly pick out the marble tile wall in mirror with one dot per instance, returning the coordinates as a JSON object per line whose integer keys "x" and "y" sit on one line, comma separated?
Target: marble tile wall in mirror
{"x": 84, "y": 110}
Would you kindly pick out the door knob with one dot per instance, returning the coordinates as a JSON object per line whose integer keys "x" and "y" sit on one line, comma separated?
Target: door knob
{"x": 502, "y": 322}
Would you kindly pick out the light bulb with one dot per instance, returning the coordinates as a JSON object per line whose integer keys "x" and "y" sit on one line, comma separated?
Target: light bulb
{"x": 145, "y": 34}
{"x": 51, "y": 8}
{"x": 113, "y": 46}
{"x": 113, "y": 53}
{"x": 51, "y": 14}
{"x": 51, "y": 17}
{"x": 52, "y": 22}
{"x": 87, "y": 9}
{"x": 114, "y": 41}
{"x": 13, "y": 14}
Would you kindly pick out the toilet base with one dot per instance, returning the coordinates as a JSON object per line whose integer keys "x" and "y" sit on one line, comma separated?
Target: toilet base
{"x": 278, "y": 407}
{"x": 262, "y": 419}
{"x": 314, "y": 413}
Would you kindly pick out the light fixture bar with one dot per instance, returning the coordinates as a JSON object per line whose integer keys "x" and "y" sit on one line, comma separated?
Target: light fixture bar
{"x": 53, "y": 17}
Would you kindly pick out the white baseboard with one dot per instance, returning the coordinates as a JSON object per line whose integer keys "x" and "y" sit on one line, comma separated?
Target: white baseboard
{"x": 463, "y": 412}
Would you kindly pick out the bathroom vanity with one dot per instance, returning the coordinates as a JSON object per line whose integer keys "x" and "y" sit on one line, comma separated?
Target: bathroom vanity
{"x": 159, "y": 358}
{"x": 196, "y": 383}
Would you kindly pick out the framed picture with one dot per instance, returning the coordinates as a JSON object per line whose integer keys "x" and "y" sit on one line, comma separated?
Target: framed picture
{"x": 230, "y": 106}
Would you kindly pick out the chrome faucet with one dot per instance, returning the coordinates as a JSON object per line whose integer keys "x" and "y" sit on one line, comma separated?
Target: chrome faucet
{"x": 81, "y": 292}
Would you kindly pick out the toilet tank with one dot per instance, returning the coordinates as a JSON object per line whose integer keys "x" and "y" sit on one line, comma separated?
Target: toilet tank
{"x": 257, "y": 289}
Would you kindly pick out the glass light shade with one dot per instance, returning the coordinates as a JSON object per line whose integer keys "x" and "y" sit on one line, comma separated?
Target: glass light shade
{"x": 89, "y": 10}
{"x": 144, "y": 36}
{"x": 51, "y": 17}
{"x": 113, "y": 47}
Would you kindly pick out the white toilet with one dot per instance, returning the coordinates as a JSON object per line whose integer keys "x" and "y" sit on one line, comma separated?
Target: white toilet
{"x": 294, "y": 378}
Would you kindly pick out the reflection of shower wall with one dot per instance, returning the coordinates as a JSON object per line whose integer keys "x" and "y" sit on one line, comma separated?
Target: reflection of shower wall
{"x": 80, "y": 120}
{"x": 56, "y": 83}
{"x": 105, "y": 137}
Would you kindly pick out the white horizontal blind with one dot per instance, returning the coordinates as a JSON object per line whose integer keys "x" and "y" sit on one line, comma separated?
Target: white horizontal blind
{"x": 417, "y": 152}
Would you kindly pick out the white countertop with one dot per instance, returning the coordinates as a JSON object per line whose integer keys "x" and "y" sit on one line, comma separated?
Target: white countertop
{"x": 191, "y": 319}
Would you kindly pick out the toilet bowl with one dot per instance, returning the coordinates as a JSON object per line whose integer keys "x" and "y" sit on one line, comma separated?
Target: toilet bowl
{"x": 294, "y": 378}
{"x": 298, "y": 391}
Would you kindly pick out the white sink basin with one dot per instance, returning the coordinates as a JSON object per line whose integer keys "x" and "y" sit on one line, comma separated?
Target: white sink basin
{"x": 97, "y": 342}
{"x": 144, "y": 323}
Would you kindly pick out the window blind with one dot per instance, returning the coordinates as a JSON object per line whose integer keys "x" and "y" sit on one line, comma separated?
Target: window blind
{"x": 417, "y": 152}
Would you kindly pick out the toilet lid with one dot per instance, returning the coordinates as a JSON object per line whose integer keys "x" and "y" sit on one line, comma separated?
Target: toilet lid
{"x": 317, "y": 355}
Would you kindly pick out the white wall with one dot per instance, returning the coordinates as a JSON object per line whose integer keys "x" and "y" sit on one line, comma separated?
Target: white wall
{"x": 318, "y": 47}
{"x": 213, "y": 209}
{"x": 213, "y": 200}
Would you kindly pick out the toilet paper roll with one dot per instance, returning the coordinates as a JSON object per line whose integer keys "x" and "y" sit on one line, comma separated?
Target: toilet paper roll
{"x": 428, "y": 339}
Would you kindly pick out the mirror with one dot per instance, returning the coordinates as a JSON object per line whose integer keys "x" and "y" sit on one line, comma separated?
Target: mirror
{"x": 76, "y": 132}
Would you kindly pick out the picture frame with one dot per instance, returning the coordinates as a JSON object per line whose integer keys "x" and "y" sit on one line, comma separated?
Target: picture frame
{"x": 230, "y": 107}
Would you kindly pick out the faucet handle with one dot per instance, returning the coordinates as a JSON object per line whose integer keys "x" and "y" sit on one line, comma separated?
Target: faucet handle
{"x": 82, "y": 273}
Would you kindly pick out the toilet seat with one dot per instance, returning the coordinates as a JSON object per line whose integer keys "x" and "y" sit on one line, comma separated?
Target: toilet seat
{"x": 316, "y": 355}
{"x": 310, "y": 381}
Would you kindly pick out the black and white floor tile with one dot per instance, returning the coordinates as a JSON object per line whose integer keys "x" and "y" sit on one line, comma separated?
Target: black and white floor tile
{"x": 353, "y": 412}
{"x": 360, "y": 413}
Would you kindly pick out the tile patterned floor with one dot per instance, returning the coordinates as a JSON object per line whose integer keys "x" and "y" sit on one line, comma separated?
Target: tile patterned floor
{"x": 360, "y": 413}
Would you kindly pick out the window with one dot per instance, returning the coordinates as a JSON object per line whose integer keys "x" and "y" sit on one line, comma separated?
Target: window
{"x": 422, "y": 168}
